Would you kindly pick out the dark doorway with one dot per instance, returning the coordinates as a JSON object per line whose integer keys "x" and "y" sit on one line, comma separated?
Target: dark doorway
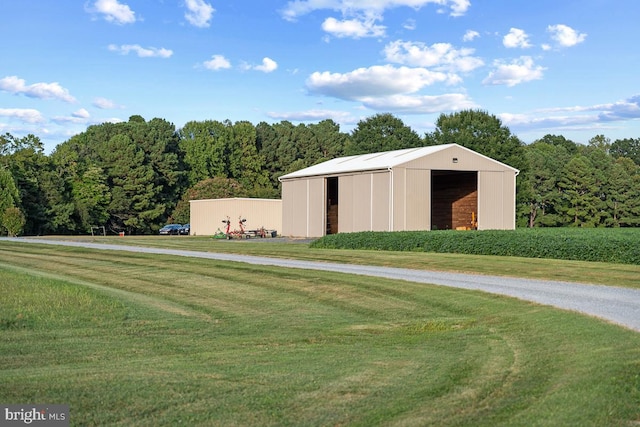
{"x": 332, "y": 205}
{"x": 454, "y": 200}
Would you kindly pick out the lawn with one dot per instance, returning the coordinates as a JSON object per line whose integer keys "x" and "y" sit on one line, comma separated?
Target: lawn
{"x": 137, "y": 339}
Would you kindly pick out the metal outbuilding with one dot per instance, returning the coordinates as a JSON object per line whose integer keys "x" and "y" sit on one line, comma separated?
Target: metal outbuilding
{"x": 427, "y": 188}
{"x": 207, "y": 215}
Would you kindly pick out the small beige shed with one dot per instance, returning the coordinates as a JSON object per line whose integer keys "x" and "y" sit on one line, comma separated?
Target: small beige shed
{"x": 207, "y": 215}
{"x": 427, "y": 188}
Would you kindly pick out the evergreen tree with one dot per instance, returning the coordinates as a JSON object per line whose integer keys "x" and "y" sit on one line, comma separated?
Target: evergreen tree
{"x": 579, "y": 189}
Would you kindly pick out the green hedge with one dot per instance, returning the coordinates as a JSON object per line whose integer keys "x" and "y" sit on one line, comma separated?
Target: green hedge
{"x": 621, "y": 245}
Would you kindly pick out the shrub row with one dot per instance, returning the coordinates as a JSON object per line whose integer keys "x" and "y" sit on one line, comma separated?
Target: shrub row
{"x": 602, "y": 245}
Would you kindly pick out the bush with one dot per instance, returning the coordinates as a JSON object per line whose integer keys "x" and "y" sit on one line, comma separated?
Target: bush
{"x": 602, "y": 245}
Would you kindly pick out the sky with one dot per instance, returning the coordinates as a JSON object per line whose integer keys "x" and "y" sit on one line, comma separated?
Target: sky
{"x": 560, "y": 67}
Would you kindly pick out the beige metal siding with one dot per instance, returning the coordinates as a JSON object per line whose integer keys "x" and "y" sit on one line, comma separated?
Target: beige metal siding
{"x": 380, "y": 201}
{"x": 398, "y": 197}
{"x": 361, "y": 203}
{"x": 303, "y": 211}
{"x": 317, "y": 217}
{"x": 345, "y": 204}
{"x": 206, "y": 216}
{"x": 496, "y": 200}
{"x": 418, "y": 199}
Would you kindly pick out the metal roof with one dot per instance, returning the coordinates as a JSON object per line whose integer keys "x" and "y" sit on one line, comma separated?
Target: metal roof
{"x": 376, "y": 161}
{"x": 367, "y": 162}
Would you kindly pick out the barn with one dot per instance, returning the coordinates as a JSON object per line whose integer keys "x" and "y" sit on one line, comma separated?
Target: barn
{"x": 427, "y": 188}
{"x": 206, "y": 215}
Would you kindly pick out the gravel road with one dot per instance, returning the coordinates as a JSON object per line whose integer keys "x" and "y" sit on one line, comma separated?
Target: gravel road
{"x": 614, "y": 304}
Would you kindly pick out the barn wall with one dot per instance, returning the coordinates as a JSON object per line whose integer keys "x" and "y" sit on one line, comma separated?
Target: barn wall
{"x": 363, "y": 203}
{"x": 418, "y": 199}
{"x": 317, "y": 208}
{"x": 496, "y": 201}
{"x": 294, "y": 207}
{"x": 380, "y": 203}
{"x": 206, "y": 216}
{"x": 303, "y": 210}
{"x": 399, "y": 206}
{"x": 345, "y": 204}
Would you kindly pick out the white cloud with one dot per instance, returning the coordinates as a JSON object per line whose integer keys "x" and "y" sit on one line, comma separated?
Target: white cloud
{"x": 313, "y": 115}
{"x": 217, "y": 62}
{"x": 297, "y": 8}
{"x": 15, "y": 85}
{"x": 441, "y": 56}
{"x": 114, "y": 11}
{"x": 426, "y": 104}
{"x": 105, "y": 104}
{"x": 516, "y": 38}
{"x": 470, "y": 35}
{"x": 360, "y": 17}
{"x": 198, "y": 13}
{"x": 268, "y": 65}
{"x": 590, "y": 117}
{"x": 353, "y": 28}
{"x": 620, "y": 110}
{"x": 81, "y": 114}
{"x": 565, "y": 36}
{"x": 149, "y": 52}
{"x": 27, "y": 115}
{"x": 520, "y": 70}
{"x": 376, "y": 81}
{"x": 409, "y": 24}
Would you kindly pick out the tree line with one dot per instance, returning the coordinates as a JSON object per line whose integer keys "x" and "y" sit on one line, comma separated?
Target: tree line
{"x": 137, "y": 175}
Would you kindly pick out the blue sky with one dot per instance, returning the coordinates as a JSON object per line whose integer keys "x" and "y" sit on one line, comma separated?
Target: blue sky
{"x": 559, "y": 67}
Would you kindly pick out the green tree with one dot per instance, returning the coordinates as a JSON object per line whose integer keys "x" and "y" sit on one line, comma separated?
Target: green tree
{"x": 600, "y": 142}
{"x": 13, "y": 221}
{"x": 25, "y": 159}
{"x": 205, "y": 147}
{"x": 91, "y": 196}
{"x": 560, "y": 141}
{"x": 382, "y": 132}
{"x": 579, "y": 189}
{"x": 628, "y": 147}
{"x": 540, "y": 181}
{"x": 139, "y": 162}
{"x": 132, "y": 206}
{"x": 245, "y": 163}
{"x": 623, "y": 202}
{"x": 9, "y": 195}
{"x": 327, "y": 142}
{"x": 602, "y": 164}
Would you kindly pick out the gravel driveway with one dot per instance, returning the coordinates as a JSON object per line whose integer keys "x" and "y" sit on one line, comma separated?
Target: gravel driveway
{"x": 617, "y": 305}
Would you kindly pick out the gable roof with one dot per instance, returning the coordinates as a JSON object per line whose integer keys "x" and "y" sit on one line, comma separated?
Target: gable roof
{"x": 373, "y": 161}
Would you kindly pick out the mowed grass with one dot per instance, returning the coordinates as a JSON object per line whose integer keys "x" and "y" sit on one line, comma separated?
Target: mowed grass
{"x": 135, "y": 339}
{"x": 601, "y": 273}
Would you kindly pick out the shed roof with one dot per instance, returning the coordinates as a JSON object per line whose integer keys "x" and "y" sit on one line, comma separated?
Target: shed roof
{"x": 373, "y": 161}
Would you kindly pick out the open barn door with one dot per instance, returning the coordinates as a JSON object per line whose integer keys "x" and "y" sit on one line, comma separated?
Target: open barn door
{"x": 332, "y": 205}
{"x": 454, "y": 200}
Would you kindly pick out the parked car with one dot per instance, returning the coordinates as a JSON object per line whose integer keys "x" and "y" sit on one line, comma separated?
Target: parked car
{"x": 185, "y": 229}
{"x": 171, "y": 229}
